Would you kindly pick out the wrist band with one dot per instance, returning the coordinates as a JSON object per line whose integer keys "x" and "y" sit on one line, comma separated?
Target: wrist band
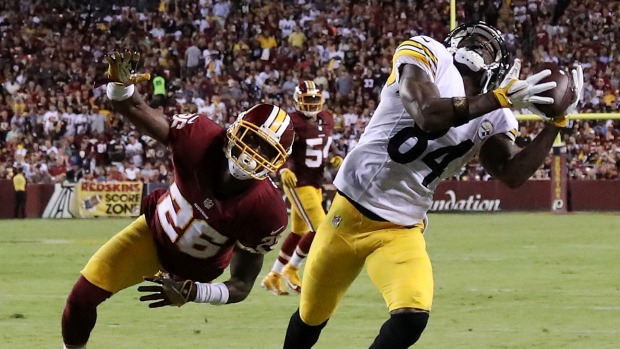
{"x": 216, "y": 293}
{"x": 186, "y": 290}
{"x": 460, "y": 106}
{"x": 117, "y": 92}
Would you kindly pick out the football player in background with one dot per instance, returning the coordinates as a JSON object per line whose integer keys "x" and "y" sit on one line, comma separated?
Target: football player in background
{"x": 221, "y": 210}
{"x": 302, "y": 181}
{"x": 439, "y": 108}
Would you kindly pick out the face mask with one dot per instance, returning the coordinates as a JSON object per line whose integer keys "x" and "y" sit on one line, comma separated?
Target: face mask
{"x": 237, "y": 172}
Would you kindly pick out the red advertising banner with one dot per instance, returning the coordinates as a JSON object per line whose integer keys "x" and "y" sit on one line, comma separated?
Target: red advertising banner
{"x": 594, "y": 195}
{"x": 491, "y": 196}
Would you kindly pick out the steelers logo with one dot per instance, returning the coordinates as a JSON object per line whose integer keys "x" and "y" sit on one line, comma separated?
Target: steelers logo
{"x": 485, "y": 129}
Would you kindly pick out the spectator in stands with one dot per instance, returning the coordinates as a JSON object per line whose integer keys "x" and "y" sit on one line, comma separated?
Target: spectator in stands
{"x": 39, "y": 176}
{"x": 193, "y": 56}
{"x": 13, "y": 135}
{"x": 267, "y": 42}
{"x": 97, "y": 121}
{"x": 147, "y": 173}
{"x": 314, "y": 39}
{"x": 133, "y": 151}
{"x": 131, "y": 171}
{"x": 5, "y": 126}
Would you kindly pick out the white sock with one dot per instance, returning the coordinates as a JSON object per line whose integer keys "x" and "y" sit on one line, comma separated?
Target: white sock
{"x": 277, "y": 266}
{"x": 296, "y": 260}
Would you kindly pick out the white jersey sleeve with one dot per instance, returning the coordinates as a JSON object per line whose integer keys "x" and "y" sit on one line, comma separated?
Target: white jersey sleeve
{"x": 506, "y": 122}
{"x": 433, "y": 58}
{"x": 419, "y": 51}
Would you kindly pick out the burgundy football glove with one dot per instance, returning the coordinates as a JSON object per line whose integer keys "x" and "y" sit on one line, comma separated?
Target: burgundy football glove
{"x": 168, "y": 292}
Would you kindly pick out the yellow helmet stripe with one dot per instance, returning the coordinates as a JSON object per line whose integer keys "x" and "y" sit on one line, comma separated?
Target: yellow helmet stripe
{"x": 279, "y": 120}
{"x": 283, "y": 127}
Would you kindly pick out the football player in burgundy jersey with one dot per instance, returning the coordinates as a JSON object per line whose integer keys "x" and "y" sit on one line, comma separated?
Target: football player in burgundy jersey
{"x": 221, "y": 210}
{"x": 302, "y": 179}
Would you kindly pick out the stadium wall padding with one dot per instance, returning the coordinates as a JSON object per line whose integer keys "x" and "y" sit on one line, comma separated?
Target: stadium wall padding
{"x": 450, "y": 196}
{"x": 594, "y": 195}
{"x": 489, "y": 196}
{"x": 37, "y": 197}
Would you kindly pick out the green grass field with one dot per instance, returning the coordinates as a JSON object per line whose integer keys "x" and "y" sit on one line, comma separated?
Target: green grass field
{"x": 502, "y": 281}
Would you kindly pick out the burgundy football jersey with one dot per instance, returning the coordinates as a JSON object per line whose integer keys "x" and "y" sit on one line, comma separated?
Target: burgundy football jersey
{"x": 195, "y": 233}
{"x": 311, "y": 147}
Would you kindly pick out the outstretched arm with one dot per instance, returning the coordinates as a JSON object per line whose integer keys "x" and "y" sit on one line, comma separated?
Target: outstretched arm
{"x": 430, "y": 111}
{"x": 127, "y": 101}
{"x": 244, "y": 269}
{"x": 511, "y": 165}
{"x": 423, "y": 102}
{"x": 146, "y": 119}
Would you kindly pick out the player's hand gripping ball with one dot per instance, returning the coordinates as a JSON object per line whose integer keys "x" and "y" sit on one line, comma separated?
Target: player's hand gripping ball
{"x": 565, "y": 95}
{"x": 519, "y": 94}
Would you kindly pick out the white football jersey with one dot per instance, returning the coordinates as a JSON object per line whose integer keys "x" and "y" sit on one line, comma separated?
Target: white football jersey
{"x": 395, "y": 168}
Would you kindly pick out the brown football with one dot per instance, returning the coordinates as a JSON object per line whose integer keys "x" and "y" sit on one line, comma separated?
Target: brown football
{"x": 563, "y": 94}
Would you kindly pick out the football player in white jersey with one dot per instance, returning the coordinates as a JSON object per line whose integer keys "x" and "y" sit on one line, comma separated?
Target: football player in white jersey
{"x": 441, "y": 106}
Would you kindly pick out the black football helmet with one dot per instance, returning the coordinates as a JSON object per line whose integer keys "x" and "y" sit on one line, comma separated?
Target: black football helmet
{"x": 470, "y": 43}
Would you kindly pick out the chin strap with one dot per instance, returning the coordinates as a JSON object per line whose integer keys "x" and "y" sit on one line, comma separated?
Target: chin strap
{"x": 237, "y": 172}
{"x": 472, "y": 60}
{"x": 310, "y": 114}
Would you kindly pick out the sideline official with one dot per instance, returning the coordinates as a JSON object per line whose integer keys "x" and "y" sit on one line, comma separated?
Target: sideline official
{"x": 19, "y": 184}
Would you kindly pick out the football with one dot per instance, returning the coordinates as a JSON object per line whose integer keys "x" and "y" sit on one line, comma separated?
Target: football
{"x": 563, "y": 94}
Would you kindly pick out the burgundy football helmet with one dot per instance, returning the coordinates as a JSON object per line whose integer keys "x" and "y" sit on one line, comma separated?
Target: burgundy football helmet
{"x": 308, "y": 98}
{"x": 259, "y": 141}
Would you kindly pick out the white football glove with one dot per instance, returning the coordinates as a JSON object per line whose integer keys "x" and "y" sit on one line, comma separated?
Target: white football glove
{"x": 578, "y": 83}
{"x": 518, "y": 94}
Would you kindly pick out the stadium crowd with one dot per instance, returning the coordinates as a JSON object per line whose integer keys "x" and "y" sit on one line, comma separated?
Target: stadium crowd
{"x": 220, "y": 57}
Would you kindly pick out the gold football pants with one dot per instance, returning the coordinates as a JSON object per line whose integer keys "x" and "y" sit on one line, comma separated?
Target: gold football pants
{"x": 125, "y": 259}
{"x": 311, "y": 199}
{"x": 395, "y": 258}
